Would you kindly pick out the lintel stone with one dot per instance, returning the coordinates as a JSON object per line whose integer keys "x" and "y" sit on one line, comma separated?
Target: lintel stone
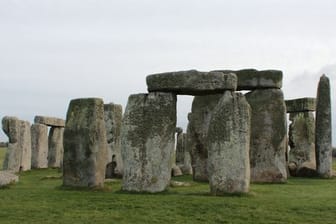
{"x": 192, "y": 82}
{"x": 49, "y": 121}
{"x": 301, "y": 105}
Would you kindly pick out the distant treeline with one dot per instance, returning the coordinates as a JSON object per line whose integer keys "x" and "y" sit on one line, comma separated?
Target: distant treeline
{"x": 3, "y": 144}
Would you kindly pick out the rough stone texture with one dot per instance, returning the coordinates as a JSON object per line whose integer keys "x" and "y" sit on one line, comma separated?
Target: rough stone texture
{"x": 113, "y": 119}
{"x": 39, "y": 141}
{"x": 323, "y": 129}
{"x": 301, "y": 141}
{"x": 268, "y": 136}
{"x": 49, "y": 121}
{"x": 186, "y": 167}
{"x": 199, "y": 119}
{"x": 307, "y": 169}
{"x": 192, "y": 82}
{"x": 147, "y": 141}
{"x": 251, "y": 79}
{"x": 56, "y": 150}
{"x": 176, "y": 171}
{"x": 228, "y": 145}
{"x": 7, "y": 178}
{"x": 301, "y": 105}
{"x": 85, "y": 144}
{"x": 25, "y": 145}
{"x": 179, "y": 148}
{"x": 11, "y": 127}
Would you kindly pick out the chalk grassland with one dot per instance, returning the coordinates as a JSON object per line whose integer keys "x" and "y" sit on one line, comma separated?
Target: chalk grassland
{"x": 2, "y": 156}
{"x": 38, "y": 198}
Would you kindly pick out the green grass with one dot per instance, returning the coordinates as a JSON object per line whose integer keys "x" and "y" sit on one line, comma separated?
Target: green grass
{"x": 39, "y": 198}
{"x": 2, "y": 156}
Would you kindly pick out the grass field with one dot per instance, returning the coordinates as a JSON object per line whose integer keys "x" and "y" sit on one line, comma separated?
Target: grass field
{"x": 2, "y": 156}
{"x": 38, "y": 198}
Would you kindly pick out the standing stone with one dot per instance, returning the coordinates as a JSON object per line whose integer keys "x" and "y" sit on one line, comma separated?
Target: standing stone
{"x": 323, "y": 129}
{"x": 301, "y": 142}
{"x": 11, "y": 127}
{"x": 25, "y": 145}
{"x": 179, "y": 146}
{"x": 228, "y": 145}
{"x": 268, "y": 136}
{"x": 113, "y": 119}
{"x": 186, "y": 168}
{"x": 147, "y": 141}
{"x": 55, "y": 152}
{"x": 85, "y": 144}
{"x": 39, "y": 139}
{"x": 199, "y": 119}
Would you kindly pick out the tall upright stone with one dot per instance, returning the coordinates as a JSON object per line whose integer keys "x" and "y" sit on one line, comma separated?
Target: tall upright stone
{"x": 323, "y": 129}
{"x": 113, "y": 119}
{"x": 39, "y": 139}
{"x": 147, "y": 141}
{"x": 11, "y": 127}
{"x": 56, "y": 150}
{"x": 85, "y": 144}
{"x": 268, "y": 136}
{"x": 25, "y": 145}
{"x": 186, "y": 168}
{"x": 199, "y": 119}
{"x": 179, "y": 146}
{"x": 228, "y": 145}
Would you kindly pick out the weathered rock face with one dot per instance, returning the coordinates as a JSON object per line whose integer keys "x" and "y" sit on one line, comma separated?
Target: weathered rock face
{"x": 7, "y": 178}
{"x": 192, "y": 82}
{"x": 300, "y": 105}
{"x": 147, "y": 141}
{"x": 39, "y": 141}
{"x": 11, "y": 127}
{"x": 323, "y": 129}
{"x": 49, "y": 121}
{"x": 268, "y": 136}
{"x": 18, "y": 156}
{"x": 179, "y": 148}
{"x": 301, "y": 141}
{"x": 56, "y": 150}
{"x": 113, "y": 119}
{"x": 228, "y": 145}
{"x": 199, "y": 119}
{"x": 85, "y": 144}
{"x": 250, "y": 79}
{"x": 186, "y": 168}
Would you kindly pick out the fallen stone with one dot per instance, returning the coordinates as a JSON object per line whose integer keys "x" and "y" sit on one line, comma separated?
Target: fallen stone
{"x": 199, "y": 119}
{"x": 268, "y": 136}
{"x": 179, "y": 184}
{"x": 49, "y": 121}
{"x": 176, "y": 171}
{"x": 56, "y": 150}
{"x": 39, "y": 141}
{"x": 228, "y": 145}
{"x": 251, "y": 79}
{"x": 147, "y": 141}
{"x": 192, "y": 82}
{"x": 113, "y": 119}
{"x": 85, "y": 144}
{"x": 300, "y": 105}
{"x": 7, "y": 178}
{"x": 323, "y": 129}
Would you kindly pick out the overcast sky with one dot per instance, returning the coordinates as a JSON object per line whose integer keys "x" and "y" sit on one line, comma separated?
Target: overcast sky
{"x": 54, "y": 51}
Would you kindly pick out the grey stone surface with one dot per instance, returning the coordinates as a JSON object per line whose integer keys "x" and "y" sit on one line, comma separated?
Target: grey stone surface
{"x": 186, "y": 167}
{"x": 301, "y": 141}
{"x": 18, "y": 155}
{"x": 147, "y": 141}
{"x": 39, "y": 141}
{"x": 251, "y": 79}
{"x": 192, "y": 82}
{"x": 85, "y": 144}
{"x": 56, "y": 150}
{"x": 301, "y": 105}
{"x": 7, "y": 178}
{"x": 113, "y": 119}
{"x": 268, "y": 136}
{"x": 49, "y": 121}
{"x": 179, "y": 148}
{"x": 228, "y": 145}
{"x": 176, "y": 171}
{"x": 199, "y": 119}
{"x": 323, "y": 129}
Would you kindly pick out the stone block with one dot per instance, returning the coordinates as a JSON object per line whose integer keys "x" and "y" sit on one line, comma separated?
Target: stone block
{"x": 49, "y": 121}
{"x": 56, "y": 150}
{"x": 39, "y": 140}
{"x": 300, "y": 105}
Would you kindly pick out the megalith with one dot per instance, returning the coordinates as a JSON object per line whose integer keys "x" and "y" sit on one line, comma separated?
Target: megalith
{"x": 199, "y": 119}
{"x": 56, "y": 150}
{"x": 39, "y": 141}
{"x": 85, "y": 144}
{"x": 25, "y": 145}
{"x": 268, "y": 144}
{"x": 301, "y": 137}
{"x": 179, "y": 146}
{"x": 113, "y": 119}
{"x": 186, "y": 168}
{"x": 228, "y": 140}
{"x": 147, "y": 141}
{"x": 323, "y": 129}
